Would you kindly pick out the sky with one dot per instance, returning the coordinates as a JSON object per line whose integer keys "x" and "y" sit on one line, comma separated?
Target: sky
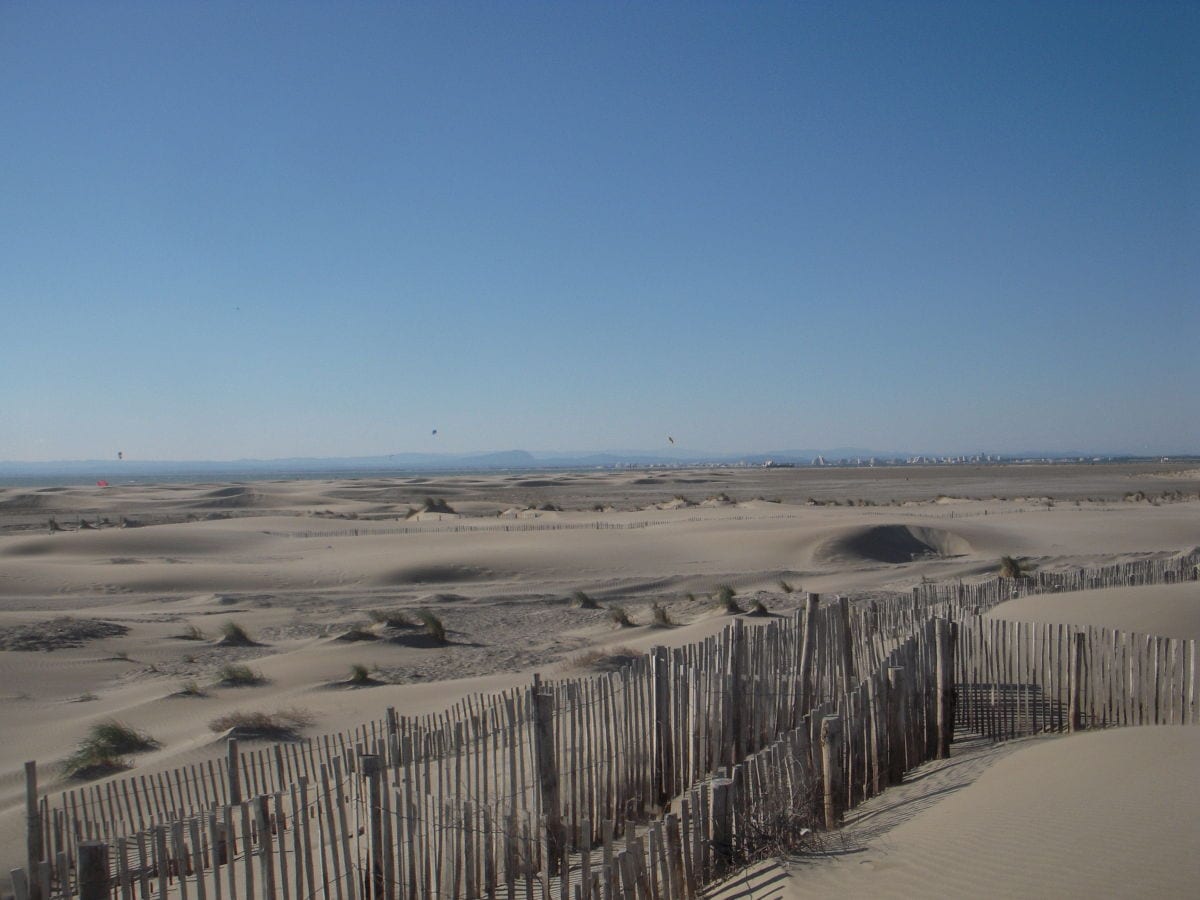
{"x": 235, "y": 230}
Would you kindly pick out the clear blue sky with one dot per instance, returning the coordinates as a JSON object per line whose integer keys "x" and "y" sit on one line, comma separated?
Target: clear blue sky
{"x": 232, "y": 229}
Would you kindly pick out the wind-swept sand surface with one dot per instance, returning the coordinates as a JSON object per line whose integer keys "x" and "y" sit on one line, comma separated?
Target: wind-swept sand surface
{"x": 1100, "y": 814}
{"x": 302, "y": 564}
{"x": 1167, "y": 610}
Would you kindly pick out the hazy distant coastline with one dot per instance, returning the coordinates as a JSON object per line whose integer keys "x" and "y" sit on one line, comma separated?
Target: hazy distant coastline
{"x": 407, "y": 465}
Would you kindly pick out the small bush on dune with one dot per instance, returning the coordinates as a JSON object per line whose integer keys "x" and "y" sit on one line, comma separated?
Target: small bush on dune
{"x": 660, "y": 616}
{"x": 1011, "y": 567}
{"x": 436, "y": 505}
{"x": 280, "y": 725}
{"x": 190, "y": 689}
{"x": 785, "y": 587}
{"x": 433, "y": 626}
{"x": 583, "y": 601}
{"x": 391, "y": 618}
{"x": 234, "y": 675}
{"x": 234, "y": 635}
{"x": 618, "y": 616}
{"x": 726, "y": 597}
{"x": 606, "y": 659}
{"x": 760, "y": 609}
{"x": 191, "y": 633}
{"x": 360, "y": 675}
{"x": 102, "y": 751}
{"x": 358, "y": 633}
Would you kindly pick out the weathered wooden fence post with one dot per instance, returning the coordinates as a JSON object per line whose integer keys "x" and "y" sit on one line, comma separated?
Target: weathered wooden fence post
{"x": 808, "y": 649}
{"x": 547, "y": 771}
{"x": 831, "y": 770}
{"x": 897, "y": 724}
{"x": 737, "y": 645}
{"x": 1074, "y": 711}
{"x": 370, "y": 765}
{"x": 234, "y": 773}
{"x": 34, "y": 851}
{"x": 877, "y": 755}
{"x": 722, "y": 836}
{"x": 266, "y": 851}
{"x": 944, "y": 638}
{"x": 664, "y": 776}
{"x": 92, "y": 871}
{"x": 846, "y": 643}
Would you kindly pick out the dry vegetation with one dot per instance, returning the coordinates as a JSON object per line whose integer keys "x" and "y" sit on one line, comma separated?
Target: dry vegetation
{"x": 281, "y": 725}
{"x": 236, "y": 675}
{"x": 605, "y": 659}
{"x": 58, "y": 634}
{"x": 234, "y": 635}
{"x": 104, "y": 750}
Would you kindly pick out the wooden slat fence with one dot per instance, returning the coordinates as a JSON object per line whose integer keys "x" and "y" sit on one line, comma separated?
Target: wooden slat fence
{"x": 654, "y": 778}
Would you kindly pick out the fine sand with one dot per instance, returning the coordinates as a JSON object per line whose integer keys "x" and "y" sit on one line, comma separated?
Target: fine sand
{"x": 1101, "y": 814}
{"x": 300, "y": 564}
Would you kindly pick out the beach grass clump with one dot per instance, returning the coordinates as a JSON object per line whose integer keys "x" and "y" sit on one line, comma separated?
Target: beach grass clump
{"x": 785, "y": 586}
{"x": 360, "y": 675}
{"x": 433, "y": 626}
{"x": 606, "y": 659}
{"x": 234, "y": 635}
{"x": 190, "y": 688}
{"x": 391, "y": 618}
{"x": 583, "y": 601}
{"x": 436, "y": 505}
{"x": 358, "y": 633}
{"x": 759, "y": 608}
{"x": 619, "y": 617}
{"x": 281, "y": 725}
{"x": 236, "y": 675}
{"x": 1011, "y": 567}
{"x": 660, "y": 617}
{"x": 191, "y": 633}
{"x": 727, "y": 598}
{"x": 104, "y": 750}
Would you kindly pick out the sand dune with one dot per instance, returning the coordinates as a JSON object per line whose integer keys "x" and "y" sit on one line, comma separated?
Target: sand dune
{"x": 1168, "y": 610}
{"x": 279, "y": 562}
{"x": 893, "y": 544}
{"x": 1101, "y": 814}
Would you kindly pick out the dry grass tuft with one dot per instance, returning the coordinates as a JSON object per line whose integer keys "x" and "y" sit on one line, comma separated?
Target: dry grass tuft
{"x": 619, "y": 617}
{"x": 1011, "y": 567}
{"x": 391, "y": 618}
{"x": 190, "y": 688}
{"x": 104, "y": 749}
{"x": 726, "y": 597}
{"x": 583, "y": 601}
{"x": 234, "y": 635}
{"x": 234, "y": 675}
{"x": 433, "y": 626}
{"x": 357, "y": 633}
{"x": 281, "y": 725}
{"x": 605, "y": 659}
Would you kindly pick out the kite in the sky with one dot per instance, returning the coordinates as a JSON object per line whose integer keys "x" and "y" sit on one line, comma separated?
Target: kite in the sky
{"x": 671, "y": 439}
{"x": 101, "y": 483}
{"x": 120, "y": 454}
{"x": 435, "y": 431}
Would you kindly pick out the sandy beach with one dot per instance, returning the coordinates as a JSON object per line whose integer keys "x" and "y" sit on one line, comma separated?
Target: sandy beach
{"x": 301, "y": 565}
